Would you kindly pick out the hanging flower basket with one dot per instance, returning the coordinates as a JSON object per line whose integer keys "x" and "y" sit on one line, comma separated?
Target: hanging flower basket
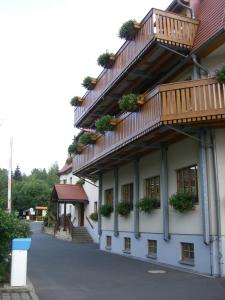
{"x": 75, "y": 148}
{"x": 147, "y": 204}
{"x": 89, "y": 83}
{"x": 131, "y": 102}
{"x": 76, "y": 101}
{"x": 105, "y": 123}
{"x": 129, "y": 29}
{"x": 106, "y": 60}
{"x": 106, "y": 210}
{"x": 94, "y": 216}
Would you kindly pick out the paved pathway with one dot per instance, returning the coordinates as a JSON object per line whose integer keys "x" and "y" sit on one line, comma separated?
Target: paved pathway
{"x": 61, "y": 270}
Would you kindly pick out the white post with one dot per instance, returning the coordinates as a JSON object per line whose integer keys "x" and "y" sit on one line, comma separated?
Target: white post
{"x": 10, "y": 178}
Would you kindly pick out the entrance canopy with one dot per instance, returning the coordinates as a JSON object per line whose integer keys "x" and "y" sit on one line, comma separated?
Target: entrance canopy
{"x": 69, "y": 193}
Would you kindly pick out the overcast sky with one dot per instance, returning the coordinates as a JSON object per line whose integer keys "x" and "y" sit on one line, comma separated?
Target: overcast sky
{"x": 47, "y": 48}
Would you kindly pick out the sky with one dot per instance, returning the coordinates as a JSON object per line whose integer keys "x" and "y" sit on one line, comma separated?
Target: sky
{"x": 47, "y": 48}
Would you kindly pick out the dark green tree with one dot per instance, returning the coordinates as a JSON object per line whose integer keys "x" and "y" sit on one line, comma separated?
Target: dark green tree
{"x": 17, "y": 174}
{"x": 3, "y": 188}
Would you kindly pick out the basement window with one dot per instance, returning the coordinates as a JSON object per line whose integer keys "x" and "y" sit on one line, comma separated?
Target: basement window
{"x": 108, "y": 242}
{"x": 152, "y": 248}
{"x": 127, "y": 245}
{"x": 187, "y": 254}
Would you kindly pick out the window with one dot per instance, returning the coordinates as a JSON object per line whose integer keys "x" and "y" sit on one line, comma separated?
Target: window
{"x": 152, "y": 188}
{"x": 187, "y": 181}
{"x": 187, "y": 252}
{"x": 95, "y": 206}
{"x": 127, "y": 193}
{"x": 127, "y": 245}
{"x": 152, "y": 248}
{"x": 108, "y": 242}
{"x": 108, "y": 199}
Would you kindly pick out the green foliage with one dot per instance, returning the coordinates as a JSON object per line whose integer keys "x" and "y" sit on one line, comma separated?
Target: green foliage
{"x": 103, "y": 124}
{"x": 81, "y": 181}
{"x": 147, "y": 204}
{"x": 129, "y": 103}
{"x": 106, "y": 210}
{"x": 88, "y": 83}
{"x": 10, "y": 228}
{"x": 106, "y": 60}
{"x": 221, "y": 75}
{"x": 50, "y": 218}
{"x": 85, "y": 138}
{"x": 35, "y": 189}
{"x": 182, "y": 202}
{"x": 17, "y": 174}
{"x": 72, "y": 148}
{"x": 124, "y": 208}
{"x": 128, "y": 30}
{"x": 69, "y": 160}
{"x": 94, "y": 216}
{"x": 3, "y": 188}
{"x": 75, "y": 101}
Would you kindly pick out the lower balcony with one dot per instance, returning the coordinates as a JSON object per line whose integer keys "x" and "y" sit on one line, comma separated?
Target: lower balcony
{"x": 196, "y": 103}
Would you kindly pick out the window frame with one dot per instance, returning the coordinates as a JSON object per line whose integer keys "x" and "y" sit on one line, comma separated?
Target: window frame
{"x": 152, "y": 254}
{"x": 108, "y": 242}
{"x": 127, "y": 196}
{"x": 190, "y": 251}
{"x": 182, "y": 187}
{"x": 106, "y": 197}
{"x": 127, "y": 245}
{"x": 148, "y": 188}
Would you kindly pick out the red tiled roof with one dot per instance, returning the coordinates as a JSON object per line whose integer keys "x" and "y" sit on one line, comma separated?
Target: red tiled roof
{"x": 212, "y": 19}
{"x": 69, "y": 192}
{"x": 66, "y": 169}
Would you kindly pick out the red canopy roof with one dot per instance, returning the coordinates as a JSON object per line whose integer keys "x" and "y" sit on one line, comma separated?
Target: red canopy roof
{"x": 69, "y": 193}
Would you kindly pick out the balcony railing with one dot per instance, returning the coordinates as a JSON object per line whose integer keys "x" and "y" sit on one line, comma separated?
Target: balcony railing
{"x": 182, "y": 102}
{"x": 165, "y": 27}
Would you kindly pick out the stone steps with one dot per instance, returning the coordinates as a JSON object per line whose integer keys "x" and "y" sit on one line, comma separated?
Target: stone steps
{"x": 81, "y": 235}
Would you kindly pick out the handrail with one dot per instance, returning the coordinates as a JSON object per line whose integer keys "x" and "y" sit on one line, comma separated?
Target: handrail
{"x": 186, "y": 101}
{"x": 164, "y": 27}
{"x": 89, "y": 222}
{"x": 69, "y": 224}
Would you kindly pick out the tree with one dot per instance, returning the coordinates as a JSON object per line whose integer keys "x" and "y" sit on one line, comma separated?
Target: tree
{"x": 3, "y": 188}
{"x": 53, "y": 174}
{"x": 17, "y": 174}
{"x": 39, "y": 174}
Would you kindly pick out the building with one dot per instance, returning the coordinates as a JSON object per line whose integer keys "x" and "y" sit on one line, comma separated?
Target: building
{"x": 173, "y": 144}
{"x": 76, "y": 201}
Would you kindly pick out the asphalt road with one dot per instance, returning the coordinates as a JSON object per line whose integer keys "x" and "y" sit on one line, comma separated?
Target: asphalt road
{"x": 61, "y": 270}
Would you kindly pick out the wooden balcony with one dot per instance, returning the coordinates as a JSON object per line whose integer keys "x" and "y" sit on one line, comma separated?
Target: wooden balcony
{"x": 196, "y": 102}
{"x": 157, "y": 27}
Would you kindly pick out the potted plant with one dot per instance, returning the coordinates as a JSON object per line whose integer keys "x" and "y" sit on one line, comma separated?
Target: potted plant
{"x": 106, "y": 210}
{"x": 69, "y": 160}
{"x": 131, "y": 102}
{"x": 89, "y": 83}
{"x": 182, "y": 201}
{"x": 221, "y": 75}
{"x": 106, "y": 60}
{"x": 147, "y": 204}
{"x": 124, "y": 208}
{"x": 105, "y": 123}
{"x": 94, "y": 216}
{"x": 75, "y": 148}
{"x": 129, "y": 29}
{"x": 76, "y": 101}
{"x": 80, "y": 181}
{"x": 88, "y": 138}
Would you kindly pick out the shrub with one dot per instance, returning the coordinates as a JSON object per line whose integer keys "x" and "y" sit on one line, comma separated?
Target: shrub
{"x": 89, "y": 83}
{"x": 129, "y": 103}
{"x": 10, "y": 227}
{"x": 94, "y": 216}
{"x": 74, "y": 148}
{"x": 104, "y": 124}
{"x": 182, "y": 201}
{"x": 76, "y": 101}
{"x": 124, "y": 208}
{"x": 106, "y": 210}
{"x": 221, "y": 75}
{"x": 147, "y": 204}
{"x": 128, "y": 30}
{"x": 106, "y": 60}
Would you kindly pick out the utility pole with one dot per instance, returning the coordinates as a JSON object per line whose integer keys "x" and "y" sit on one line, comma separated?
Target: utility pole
{"x": 10, "y": 177}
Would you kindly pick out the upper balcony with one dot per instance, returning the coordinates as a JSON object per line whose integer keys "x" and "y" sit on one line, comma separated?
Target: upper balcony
{"x": 139, "y": 55}
{"x": 196, "y": 102}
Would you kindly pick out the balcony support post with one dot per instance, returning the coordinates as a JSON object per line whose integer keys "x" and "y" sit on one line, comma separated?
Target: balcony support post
{"x": 99, "y": 204}
{"x": 164, "y": 192}
{"x": 64, "y": 217}
{"x": 136, "y": 198}
{"x": 204, "y": 186}
{"x": 115, "y": 201}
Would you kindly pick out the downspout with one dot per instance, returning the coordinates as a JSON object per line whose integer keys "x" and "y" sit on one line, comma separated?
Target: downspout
{"x": 194, "y": 58}
{"x": 187, "y": 7}
{"x": 217, "y": 202}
